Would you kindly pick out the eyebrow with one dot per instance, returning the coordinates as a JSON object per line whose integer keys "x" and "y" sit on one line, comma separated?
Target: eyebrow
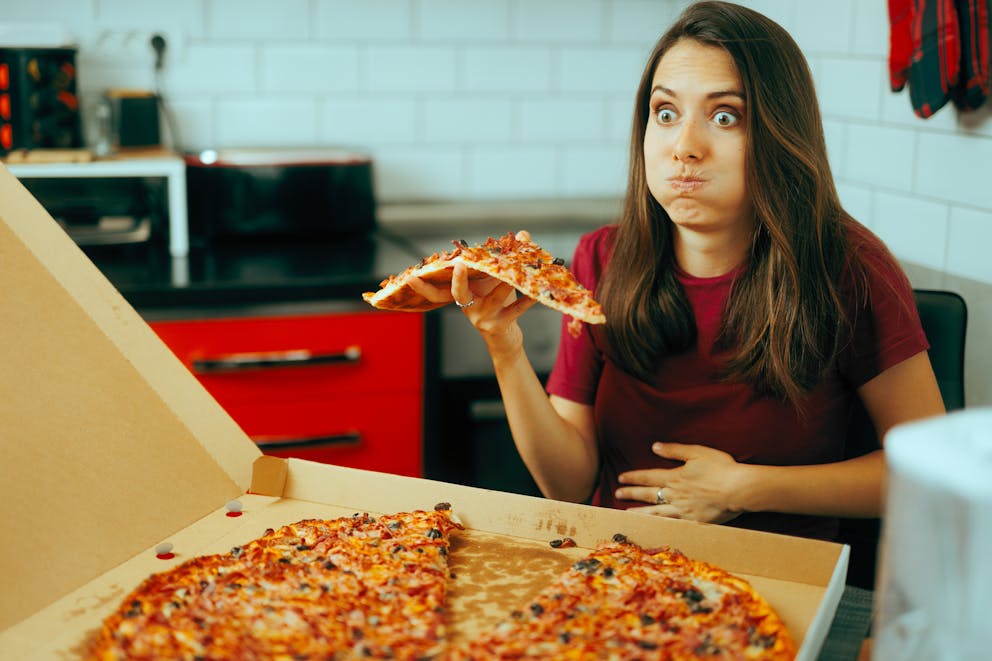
{"x": 712, "y": 95}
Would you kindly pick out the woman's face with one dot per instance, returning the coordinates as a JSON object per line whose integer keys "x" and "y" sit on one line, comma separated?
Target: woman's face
{"x": 694, "y": 144}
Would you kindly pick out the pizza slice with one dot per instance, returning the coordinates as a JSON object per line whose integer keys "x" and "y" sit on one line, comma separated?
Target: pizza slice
{"x": 623, "y": 602}
{"x": 351, "y": 587}
{"x": 513, "y": 259}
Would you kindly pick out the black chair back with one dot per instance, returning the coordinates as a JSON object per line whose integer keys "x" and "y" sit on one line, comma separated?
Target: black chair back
{"x": 944, "y": 316}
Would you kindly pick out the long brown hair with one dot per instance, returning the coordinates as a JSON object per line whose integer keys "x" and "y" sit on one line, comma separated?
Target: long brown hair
{"x": 781, "y": 327}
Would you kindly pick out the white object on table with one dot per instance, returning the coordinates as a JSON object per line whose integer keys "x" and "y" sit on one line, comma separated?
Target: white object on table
{"x": 935, "y": 579}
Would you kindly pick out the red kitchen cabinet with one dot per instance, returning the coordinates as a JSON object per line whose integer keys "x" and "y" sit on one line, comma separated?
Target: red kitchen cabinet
{"x": 341, "y": 388}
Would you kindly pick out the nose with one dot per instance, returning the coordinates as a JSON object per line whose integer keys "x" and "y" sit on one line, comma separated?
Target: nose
{"x": 690, "y": 142}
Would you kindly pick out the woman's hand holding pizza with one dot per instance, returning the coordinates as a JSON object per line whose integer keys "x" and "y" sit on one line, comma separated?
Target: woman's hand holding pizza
{"x": 701, "y": 489}
{"x": 491, "y": 305}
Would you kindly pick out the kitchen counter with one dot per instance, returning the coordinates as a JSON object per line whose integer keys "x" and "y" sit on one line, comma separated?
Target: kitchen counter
{"x": 332, "y": 268}
{"x": 253, "y": 273}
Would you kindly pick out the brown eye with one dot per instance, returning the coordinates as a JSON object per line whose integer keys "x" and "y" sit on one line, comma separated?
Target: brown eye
{"x": 724, "y": 118}
{"x": 665, "y": 115}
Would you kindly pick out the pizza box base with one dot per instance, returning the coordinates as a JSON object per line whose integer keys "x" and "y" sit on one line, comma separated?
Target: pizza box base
{"x": 111, "y": 447}
{"x": 499, "y": 562}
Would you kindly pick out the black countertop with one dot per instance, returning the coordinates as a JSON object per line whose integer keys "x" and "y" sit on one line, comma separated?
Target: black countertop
{"x": 256, "y": 272}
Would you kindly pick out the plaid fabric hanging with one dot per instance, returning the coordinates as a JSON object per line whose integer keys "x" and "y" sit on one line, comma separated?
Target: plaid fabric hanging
{"x": 940, "y": 48}
{"x": 975, "y": 82}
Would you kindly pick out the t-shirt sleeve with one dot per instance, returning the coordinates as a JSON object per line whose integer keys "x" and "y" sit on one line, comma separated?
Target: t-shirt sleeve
{"x": 579, "y": 363}
{"x": 886, "y": 323}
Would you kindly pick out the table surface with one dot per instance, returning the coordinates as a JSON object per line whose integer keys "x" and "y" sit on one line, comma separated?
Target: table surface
{"x": 850, "y": 626}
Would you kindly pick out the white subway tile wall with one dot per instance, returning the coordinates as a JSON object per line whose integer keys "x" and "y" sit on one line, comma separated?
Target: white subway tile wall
{"x": 516, "y": 99}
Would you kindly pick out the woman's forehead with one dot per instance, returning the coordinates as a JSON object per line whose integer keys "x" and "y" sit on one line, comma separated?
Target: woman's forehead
{"x": 695, "y": 64}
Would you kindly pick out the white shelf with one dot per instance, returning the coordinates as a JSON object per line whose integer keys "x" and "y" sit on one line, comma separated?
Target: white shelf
{"x": 168, "y": 166}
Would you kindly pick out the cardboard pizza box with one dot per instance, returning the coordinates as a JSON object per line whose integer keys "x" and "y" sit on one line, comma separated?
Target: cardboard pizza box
{"x": 111, "y": 447}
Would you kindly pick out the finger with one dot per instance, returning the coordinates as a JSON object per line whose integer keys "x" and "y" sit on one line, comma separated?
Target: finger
{"x": 431, "y": 292}
{"x": 520, "y": 306}
{"x": 676, "y": 451}
{"x": 484, "y": 286}
{"x": 643, "y": 494}
{"x": 655, "y": 477}
{"x": 460, "y": 291}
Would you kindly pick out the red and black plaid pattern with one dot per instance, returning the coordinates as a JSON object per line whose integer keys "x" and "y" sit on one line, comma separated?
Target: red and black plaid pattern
{"x": 941, "y": 49}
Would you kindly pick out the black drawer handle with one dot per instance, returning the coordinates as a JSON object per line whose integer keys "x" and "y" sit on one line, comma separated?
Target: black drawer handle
{"x": 346, "y": 439}
{"x": 253, "y": 361}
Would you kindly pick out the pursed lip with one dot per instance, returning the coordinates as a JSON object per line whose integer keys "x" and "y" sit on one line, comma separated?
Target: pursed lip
{"x": 686, "y": 183}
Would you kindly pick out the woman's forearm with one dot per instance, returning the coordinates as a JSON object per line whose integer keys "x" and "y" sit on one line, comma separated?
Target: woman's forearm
{"x": 852, "y": 488}
{"x": 562, "y": 460}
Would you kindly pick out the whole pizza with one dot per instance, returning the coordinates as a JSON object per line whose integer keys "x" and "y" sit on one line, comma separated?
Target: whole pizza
{"x": 374, "y": 587}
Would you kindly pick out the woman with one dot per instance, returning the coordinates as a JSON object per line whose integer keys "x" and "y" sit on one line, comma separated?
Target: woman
{"x": 746, "y": 310}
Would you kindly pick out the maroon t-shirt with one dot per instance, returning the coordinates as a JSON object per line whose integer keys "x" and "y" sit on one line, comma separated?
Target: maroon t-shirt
{"x": 684, "y": 403}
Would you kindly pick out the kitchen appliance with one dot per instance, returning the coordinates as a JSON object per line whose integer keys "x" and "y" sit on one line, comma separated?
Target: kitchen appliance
{"x": 271, "y": 194}
{"x": 39, "y": 107}
{"x": 104, "y": 211}
{"x": 134, "y": 118}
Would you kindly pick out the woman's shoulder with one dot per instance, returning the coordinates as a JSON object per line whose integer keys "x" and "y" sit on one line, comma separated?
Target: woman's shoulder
{"x": 598, "y": 243}
{"x": 867, "y": 249}
{"x": 872, "y": 268}
{"x": 592, "y": 254}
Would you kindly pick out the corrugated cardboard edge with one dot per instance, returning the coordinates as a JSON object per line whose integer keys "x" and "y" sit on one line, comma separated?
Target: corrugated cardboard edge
{"x": 268, "y": 477}
{"x": 93, "y": 347}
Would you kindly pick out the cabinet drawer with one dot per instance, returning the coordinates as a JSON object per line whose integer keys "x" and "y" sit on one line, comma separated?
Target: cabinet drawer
{"x": 380, "y": 433}
{"x": 322, "y": 355}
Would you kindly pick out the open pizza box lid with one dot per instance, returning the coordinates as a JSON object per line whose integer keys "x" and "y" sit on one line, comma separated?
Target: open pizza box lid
{"x": 111, "y": 447}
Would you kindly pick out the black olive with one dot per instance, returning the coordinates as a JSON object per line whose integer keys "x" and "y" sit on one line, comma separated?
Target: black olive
{"x": 587, "y": 566}
{"x": 692, "y": 595}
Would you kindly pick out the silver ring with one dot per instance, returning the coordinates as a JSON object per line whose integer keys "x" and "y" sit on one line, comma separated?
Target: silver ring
{"x": 659, "y": 498}
{"x": 465, "y": 305}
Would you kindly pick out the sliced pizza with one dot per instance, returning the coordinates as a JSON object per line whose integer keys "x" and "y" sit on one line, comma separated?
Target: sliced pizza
{"x": 353, "y": 587}
{"x": 513, "y": 259}
{"x": 624, "y": 602}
